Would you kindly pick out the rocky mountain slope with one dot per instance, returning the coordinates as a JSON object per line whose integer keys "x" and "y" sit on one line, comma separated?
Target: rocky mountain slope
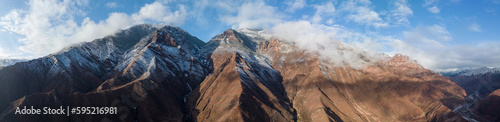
{"x": 488, "y": 107}
{"x": 165, "y": 74}
{"x": 257, "y": 74}
{"x": 481, "y": 85}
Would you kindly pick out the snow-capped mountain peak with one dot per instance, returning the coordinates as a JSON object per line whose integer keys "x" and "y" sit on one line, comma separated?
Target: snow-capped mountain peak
{"x": 468, "y": 71}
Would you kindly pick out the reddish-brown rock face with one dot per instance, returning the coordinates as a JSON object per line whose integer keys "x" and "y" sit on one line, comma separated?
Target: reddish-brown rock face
{"x": 243, "y": 75}
{"x": 236, "y": 88}
{"x": 397, "y": 89}
{"x": 489, "y": 107}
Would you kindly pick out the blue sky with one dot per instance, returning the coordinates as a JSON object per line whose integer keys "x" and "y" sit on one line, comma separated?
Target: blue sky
{"x": 439, "y": 34}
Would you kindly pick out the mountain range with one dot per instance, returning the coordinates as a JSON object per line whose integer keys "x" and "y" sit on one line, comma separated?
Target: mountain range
{"x": 482, "y": 87}
{"x": 8, "y": 62}
{"x": 165, "y": 74}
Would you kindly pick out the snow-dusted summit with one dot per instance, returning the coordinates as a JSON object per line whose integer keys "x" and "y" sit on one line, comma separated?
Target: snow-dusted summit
{"x": 468, "y": 71}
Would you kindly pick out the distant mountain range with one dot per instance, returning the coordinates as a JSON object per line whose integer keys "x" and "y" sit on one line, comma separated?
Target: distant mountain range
{"x": 482, "y": 86}
{"x": 166, "y": 74}
{"x": 8, "y": 62}
{"x": 468, "y": 71}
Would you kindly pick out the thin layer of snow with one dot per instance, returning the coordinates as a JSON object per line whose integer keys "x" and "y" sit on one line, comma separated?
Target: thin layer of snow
{"x": 482, "y": 70}
{"x": 467, "y": 71}
{"x": 259, "y": 35}
{"x": 190, "y": 91}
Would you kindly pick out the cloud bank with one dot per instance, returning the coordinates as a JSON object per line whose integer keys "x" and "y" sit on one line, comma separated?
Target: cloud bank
{"x": 431, "y": 46}
{"x": 324, "y": 40}
{"x": 254, "y": 15}
{"x": 360, "y": 11}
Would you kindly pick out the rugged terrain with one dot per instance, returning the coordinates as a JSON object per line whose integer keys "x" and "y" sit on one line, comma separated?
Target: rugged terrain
{"x": 478, "y": 81}
{"x": 488, "y": 107}
{"x": 481, "y": 85}
{"x": 165, "y": 74}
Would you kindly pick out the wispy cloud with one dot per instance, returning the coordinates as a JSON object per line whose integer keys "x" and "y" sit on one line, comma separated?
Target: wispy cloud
{"x": 325, "y": 10}
{"x": 294, "y": 5}
{"x": 475, "y": 27}
{"x": 428, "y": 45}
{"x": 111, "y": 5}
{"x": 434, "y": 9}
{"x": 401, "y": 12}
{"x": 494, "y": 1}
{"x": 360, "y": 12}
{"x": 255, "y": 15}
{"x": 431, "y": 6}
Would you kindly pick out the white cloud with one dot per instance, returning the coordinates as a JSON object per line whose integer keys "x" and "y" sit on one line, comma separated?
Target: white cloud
{"x": 325, "y": 10}
{"x": 434, "y": 9}
{"x": 432, "y": 6}
{"x": 49, "y": 25}
{"x": 360, "y": 11}
{"x": 158, "y": 12}
{"x": 430, "y": 2}
{"x": 329, "y": 21}
{"x": 10, "y": 54}
{"x": 475, "y": 27}
{"x": 452, "y": 56}
{"x": 254, "y": 15}
{"x": 111, "y": 5}
{"x": 440, "y": 32}
{"x": 324, "y": 40}
{"x": 3, "y": 54}
{"x": 401, "y": 12}
{"x": 423, "y": 36}
{"x": 294, "y": 5}
{"x": 428, "y": 45}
